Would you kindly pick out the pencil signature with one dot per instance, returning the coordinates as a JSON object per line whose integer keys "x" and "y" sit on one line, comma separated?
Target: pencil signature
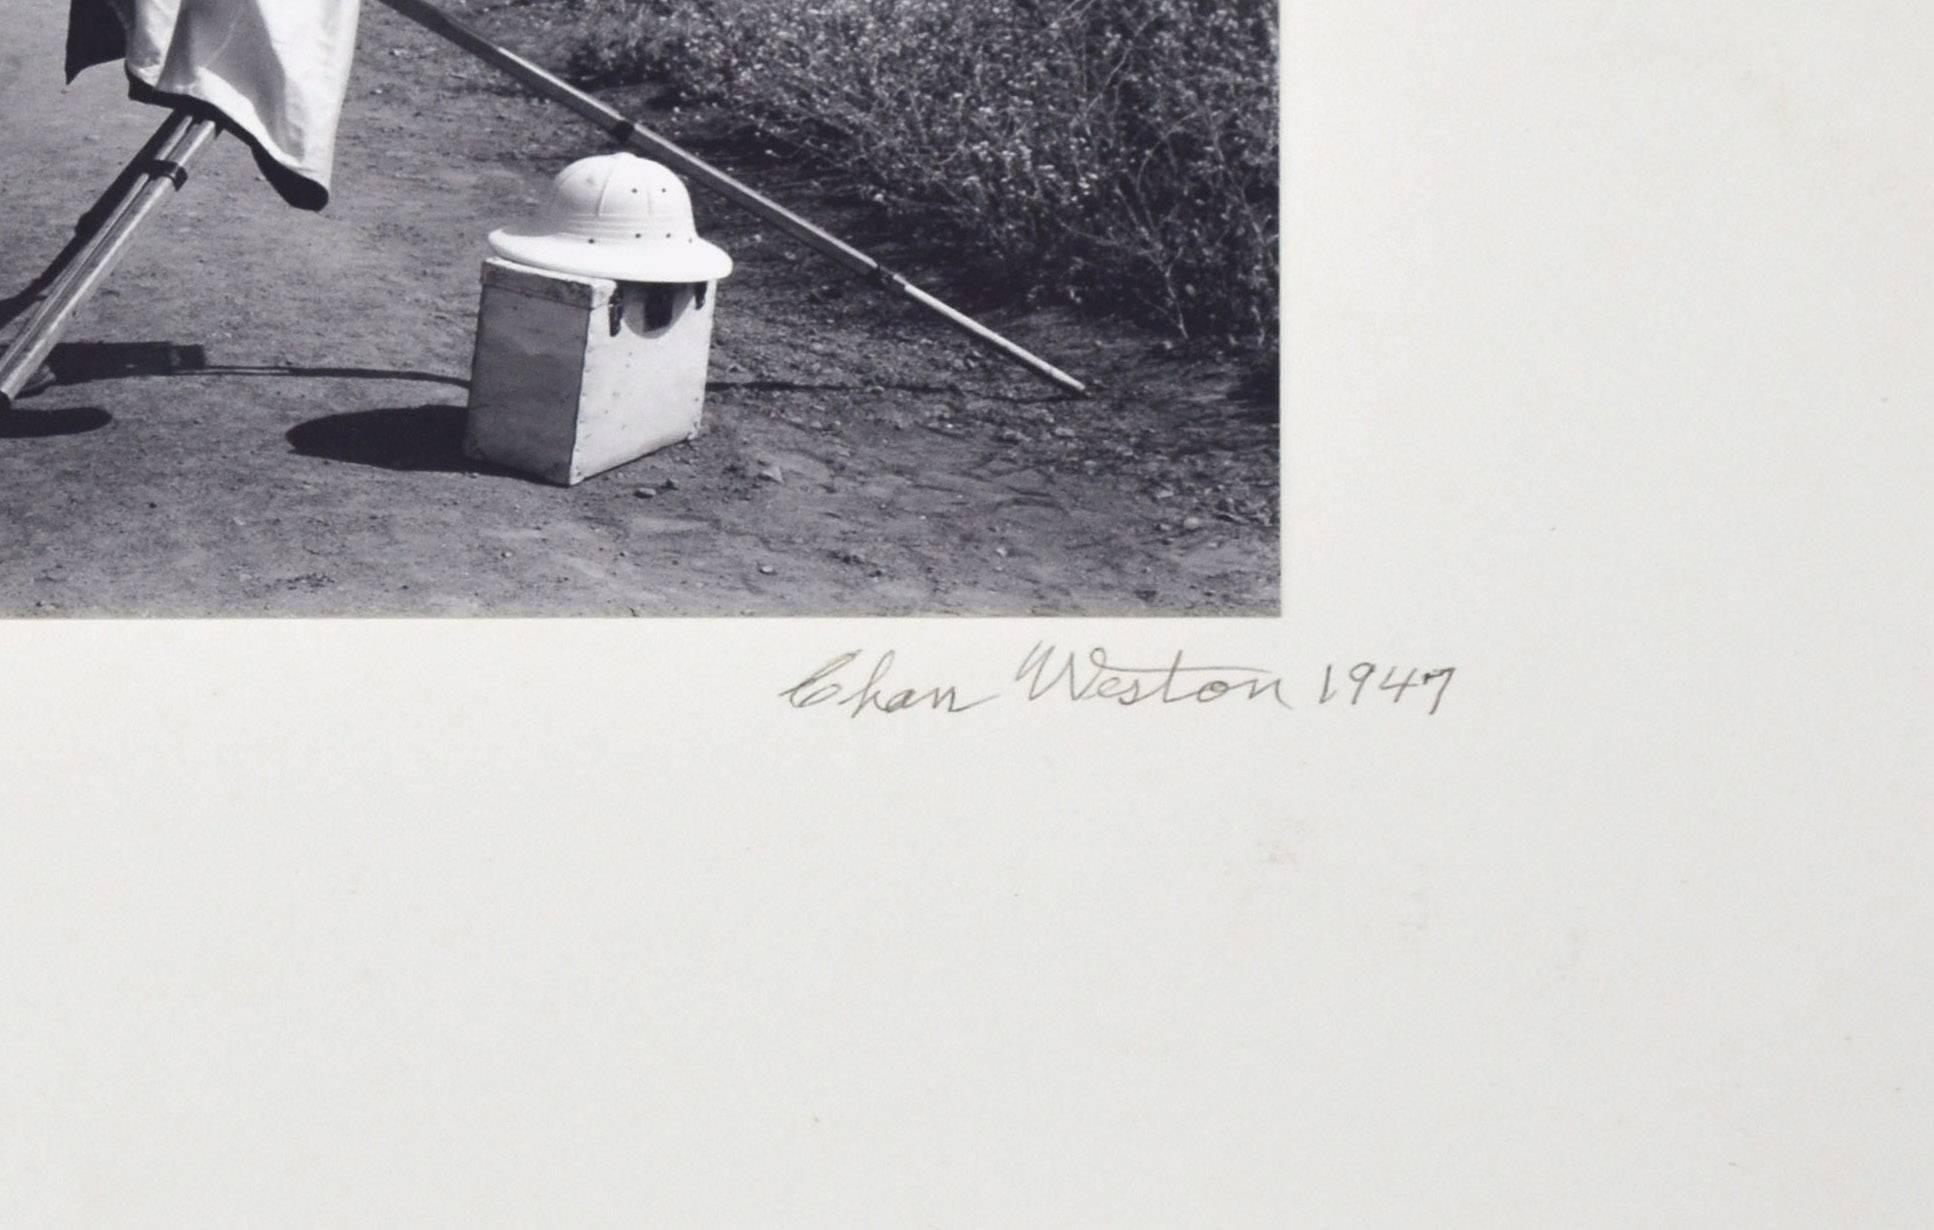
{"x": 1046, "y": 674}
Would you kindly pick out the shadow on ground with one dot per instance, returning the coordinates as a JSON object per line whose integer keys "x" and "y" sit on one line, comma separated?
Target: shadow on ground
{"x": 40, "y": 424}
{"x": 418, "y": 439}
{"x": 81, "y": 362}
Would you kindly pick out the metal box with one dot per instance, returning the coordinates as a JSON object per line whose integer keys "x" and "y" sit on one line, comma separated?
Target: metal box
{"x": 575, "y": 375}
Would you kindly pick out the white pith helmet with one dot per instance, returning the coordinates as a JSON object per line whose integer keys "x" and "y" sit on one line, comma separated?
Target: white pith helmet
{"x": 615, "y": 216}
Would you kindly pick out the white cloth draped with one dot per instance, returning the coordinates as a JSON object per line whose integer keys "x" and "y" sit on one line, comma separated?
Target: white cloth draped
{"x": 276, "y": 69}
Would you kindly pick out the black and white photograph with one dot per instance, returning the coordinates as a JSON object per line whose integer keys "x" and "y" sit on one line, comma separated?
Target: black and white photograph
{"x": 624, "y": 307}
{"x": 997, "y": 615}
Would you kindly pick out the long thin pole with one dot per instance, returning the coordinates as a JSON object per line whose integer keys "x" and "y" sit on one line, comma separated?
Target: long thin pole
{"x": 628, "y": 132}
{"x": 90, "y": 266}
{"x": 100, "y": 215}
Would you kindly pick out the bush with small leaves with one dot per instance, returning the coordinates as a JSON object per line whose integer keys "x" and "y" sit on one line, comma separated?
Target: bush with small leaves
{"x": 1121, "y": 153}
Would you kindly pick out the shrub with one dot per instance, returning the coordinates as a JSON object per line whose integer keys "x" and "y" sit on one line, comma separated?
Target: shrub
{"x": 1117, "y": 152}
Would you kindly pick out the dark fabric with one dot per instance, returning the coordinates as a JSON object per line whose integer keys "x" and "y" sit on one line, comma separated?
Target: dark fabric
{"x": 94, "y": 36}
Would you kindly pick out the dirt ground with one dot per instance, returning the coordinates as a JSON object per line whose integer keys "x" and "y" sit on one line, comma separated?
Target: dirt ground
{"x": 261, "y": 414}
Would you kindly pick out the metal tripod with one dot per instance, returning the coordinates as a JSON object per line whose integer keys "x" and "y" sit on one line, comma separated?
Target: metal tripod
{"x": 100, "y": 238}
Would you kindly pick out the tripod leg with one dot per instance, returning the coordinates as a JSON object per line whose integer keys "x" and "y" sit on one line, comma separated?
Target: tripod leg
{"x": 89, "y": 268}
{"x": 98, "y": 215}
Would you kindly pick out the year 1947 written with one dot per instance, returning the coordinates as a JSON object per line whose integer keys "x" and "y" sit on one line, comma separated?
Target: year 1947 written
{"x": 1354, "y": 682}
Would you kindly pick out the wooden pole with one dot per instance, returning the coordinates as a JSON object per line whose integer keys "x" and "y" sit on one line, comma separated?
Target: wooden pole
{"x": 637, "y": 136}
{"x": 124, "y": 213}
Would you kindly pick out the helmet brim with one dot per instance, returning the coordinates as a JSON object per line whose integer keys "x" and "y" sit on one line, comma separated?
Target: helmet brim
{"x": 650, "y": 260}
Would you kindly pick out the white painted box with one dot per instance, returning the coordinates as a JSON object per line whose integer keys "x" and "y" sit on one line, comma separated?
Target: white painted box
{"x": 573, "y": 375}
